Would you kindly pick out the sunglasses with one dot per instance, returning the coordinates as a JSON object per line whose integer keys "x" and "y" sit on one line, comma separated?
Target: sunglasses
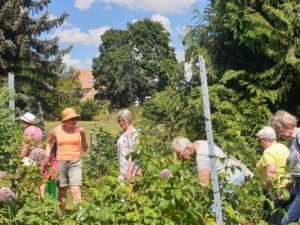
{"x": 72, "y": 120}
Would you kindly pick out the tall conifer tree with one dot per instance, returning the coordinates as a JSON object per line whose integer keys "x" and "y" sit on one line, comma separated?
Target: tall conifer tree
{"x": 34, "y": 60}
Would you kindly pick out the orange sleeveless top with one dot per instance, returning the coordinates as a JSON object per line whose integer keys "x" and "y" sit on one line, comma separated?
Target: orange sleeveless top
{"x": 68, "y": 145}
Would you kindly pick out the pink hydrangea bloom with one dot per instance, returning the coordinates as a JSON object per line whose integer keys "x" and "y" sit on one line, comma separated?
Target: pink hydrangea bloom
{"x": 6, "y": 195}
{"x": 38, "y": 155}
{"x": 165, "y": 173}
{"x": 2, "y": 174}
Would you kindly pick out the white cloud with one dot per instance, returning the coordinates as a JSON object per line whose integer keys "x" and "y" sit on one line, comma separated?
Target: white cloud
{"x": 163, "y": 20}
{"x": 179, "y": 56}
{"x": 75, "y": 35}
{"x": 71, "y": 62}
{"x": 76, "y": 62}
{"x": 188, "y": 71}
{"x": 83, "y": 4}
{"x": 158, "y": 6}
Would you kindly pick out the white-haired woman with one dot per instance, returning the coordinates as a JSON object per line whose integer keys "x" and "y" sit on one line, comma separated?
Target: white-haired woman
{"x": 285, "y": 125}
{"x": 125, "y": 145}
{"x": 186, "y": 150}
{"x": 271, "y": 169}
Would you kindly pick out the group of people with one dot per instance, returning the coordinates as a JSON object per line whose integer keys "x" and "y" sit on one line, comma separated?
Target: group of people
{"x": 70, "y": 144}
{"x": 272, "y": 168}
{"x": 280, "y": 162}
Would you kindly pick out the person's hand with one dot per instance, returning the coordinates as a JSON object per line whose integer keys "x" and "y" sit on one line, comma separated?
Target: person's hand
{"x": 81, "y": 131}
{"x": 127, "y": 175}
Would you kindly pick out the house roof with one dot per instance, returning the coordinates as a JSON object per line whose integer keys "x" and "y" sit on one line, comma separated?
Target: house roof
{"x": 89, "y": 95}
{"x": 86, "y": 78}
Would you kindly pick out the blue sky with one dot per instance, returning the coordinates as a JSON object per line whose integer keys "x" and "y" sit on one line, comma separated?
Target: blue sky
{"x": 89, "y": 19}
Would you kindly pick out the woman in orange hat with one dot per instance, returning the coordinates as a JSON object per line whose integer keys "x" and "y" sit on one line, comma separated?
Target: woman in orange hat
{"x": 71, "y": 144}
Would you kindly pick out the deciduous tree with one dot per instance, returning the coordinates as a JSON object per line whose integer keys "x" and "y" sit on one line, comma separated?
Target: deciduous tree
{"x": 134, "y": 63}
{"x": 254, "y": 48}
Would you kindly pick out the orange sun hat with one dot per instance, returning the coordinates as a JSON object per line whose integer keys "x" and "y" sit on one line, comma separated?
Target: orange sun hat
{"x": 68, "y": 113}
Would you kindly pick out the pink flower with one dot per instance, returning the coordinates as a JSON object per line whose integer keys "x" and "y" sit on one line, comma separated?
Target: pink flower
{"x": 2, "y": 174}
{"x": 165, "y": 174}
{"x": 38, "y": 155}
{"x": 6, "y": 195}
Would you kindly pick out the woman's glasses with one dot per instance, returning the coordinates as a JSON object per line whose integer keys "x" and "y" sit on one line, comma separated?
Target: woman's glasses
{"x": 72, "y": 120}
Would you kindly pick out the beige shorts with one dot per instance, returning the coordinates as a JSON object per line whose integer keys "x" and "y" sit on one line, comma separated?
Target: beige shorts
{"x": 70, "y": 172}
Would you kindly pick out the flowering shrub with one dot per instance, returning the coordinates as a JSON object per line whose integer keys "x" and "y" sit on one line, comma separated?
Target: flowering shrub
{"x": 38, "y": 155}
{"x": 165, "y": 173}
{"x": 6, "y": 195}
{"x": 2, "y": 174}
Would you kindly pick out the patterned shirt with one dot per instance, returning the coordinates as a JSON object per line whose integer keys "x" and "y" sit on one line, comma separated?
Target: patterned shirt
{"x": 125, "y": 146}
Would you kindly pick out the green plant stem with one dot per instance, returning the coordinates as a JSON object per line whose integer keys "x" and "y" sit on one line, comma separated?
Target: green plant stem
{"x": 9, "y": 214}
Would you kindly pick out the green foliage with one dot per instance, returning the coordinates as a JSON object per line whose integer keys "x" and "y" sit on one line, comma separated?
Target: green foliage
{"x": 253, "y": 47}
{"x": 34, "y": 61}
{"x": 104, "y": 156}
{"x": 11, "y": 132}
{"x": 133, "y": 63}
{"x": 69, "y": 91}
{"x": 184, "y": 115}
{"x": 156, "y": 199}
{"x": 88, "y": 109}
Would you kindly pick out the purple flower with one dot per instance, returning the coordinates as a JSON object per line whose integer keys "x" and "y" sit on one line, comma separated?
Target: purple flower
{"x": 38, "y": 155}
{"x": 6, "y": 195}
{"x": 165, "y": 174}
{"x": 2, "y": 174}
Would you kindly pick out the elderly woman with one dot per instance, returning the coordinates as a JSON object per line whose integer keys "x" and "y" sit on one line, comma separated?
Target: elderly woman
{"x": 71, "y": 144}
{"x": 186, "y": 150}
{"x": 33, "y": 134}
{"x": 271, "y": 169}
{"x": 285, "y": 125}
{"x": 125, "y": 145}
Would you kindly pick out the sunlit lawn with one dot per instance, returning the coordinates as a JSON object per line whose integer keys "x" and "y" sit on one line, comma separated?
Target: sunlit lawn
{"x": 110, "y": 126}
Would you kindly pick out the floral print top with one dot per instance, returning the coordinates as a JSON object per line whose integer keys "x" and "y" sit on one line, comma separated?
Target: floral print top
{"x": 125, "y": 145}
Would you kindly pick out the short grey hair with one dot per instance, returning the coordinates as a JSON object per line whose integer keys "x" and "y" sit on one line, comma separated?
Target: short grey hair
{"x": 282, "y": 119}
{"x": 179, "y": 144}
{"x": 125, "y": 113}
{"x": 267, "y": 132}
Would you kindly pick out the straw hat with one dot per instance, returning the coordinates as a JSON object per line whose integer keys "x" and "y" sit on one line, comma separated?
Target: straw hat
{"x": 68, "y": 113}
{"x": 28, "y": 118}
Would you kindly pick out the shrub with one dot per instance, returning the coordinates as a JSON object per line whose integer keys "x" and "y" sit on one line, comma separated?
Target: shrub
{"x": 11, "y": 133}
{"x": 88, "y": 109}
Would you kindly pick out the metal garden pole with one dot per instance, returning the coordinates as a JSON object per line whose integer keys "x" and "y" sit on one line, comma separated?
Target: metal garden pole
{"x": 11, "y": 88}
{"x": 91, "y": 150}
{"x": 210, "y": 139}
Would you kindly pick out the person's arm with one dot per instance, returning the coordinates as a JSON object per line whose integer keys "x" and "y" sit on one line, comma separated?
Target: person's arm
{"x": 132, "y": 141}
{"x": 203, "y": 177}
{"x": 25, "y": 150}
{"x": 270, "y": 171}
{"x": 51, "y": 138}
{"x": 84, "y": 145}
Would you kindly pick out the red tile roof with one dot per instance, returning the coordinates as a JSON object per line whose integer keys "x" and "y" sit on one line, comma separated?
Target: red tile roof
{"x": 86, "y": 78}
{"x": 89, "y": 95}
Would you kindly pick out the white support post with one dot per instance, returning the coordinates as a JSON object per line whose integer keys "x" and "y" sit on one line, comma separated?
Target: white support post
{"x": 210, "y": 139}
{"x": 11, "y": 88}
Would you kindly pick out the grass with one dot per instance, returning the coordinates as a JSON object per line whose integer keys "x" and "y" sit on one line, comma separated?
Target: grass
{"x": 105, "y": 120}
{"x": 110, "y": 126}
